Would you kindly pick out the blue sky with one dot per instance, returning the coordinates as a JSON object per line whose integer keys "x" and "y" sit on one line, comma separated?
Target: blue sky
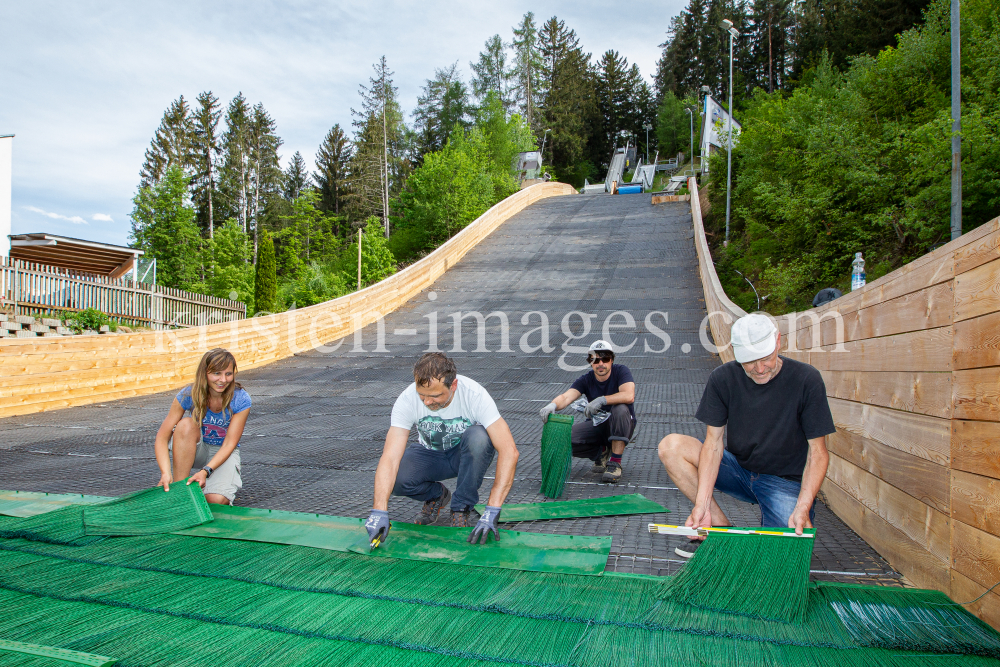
{"x": 84, "y": 84}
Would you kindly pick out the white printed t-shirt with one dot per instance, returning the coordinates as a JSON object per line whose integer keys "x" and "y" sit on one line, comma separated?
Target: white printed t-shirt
{"x": 442, "y": 429}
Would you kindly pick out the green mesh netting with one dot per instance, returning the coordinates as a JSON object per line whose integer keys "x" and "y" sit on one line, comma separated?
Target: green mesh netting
{"x": 163, "y": 599}
{"x": 764, "y": 576}
{"x": 632, "y": 503}
{"x": 146, "y": 512}
{"x": 556, "y": 454}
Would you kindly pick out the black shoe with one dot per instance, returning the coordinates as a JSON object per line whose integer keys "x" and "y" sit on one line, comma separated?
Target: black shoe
{"x": 602, "y": 461}
{"x": 432, "y": 508}
{"x": 466, "y": 519}
{"x": 612, "y": 473}
{"x": 688, "y": 550}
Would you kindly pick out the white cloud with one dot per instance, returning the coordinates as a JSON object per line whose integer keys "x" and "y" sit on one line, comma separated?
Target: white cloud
{"x": 101, "y": 217}
{"x": 75, "y": 219}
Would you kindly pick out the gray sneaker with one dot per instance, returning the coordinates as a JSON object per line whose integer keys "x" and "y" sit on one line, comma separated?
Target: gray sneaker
{"x": 612, "y": 473}
{"x": 602, "y": 461}
{"x": 466, "y": 519}
{"x": 432, "y": 508}
{"x": 688, "y": 550}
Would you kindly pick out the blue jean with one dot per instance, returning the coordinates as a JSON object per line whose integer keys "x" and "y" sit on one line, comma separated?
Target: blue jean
{"x": 775, "y": 495}
{"x": 421, "y": 469}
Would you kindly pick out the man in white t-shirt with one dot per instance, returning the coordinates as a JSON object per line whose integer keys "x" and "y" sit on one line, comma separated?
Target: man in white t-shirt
{"x": 459, "y": 429}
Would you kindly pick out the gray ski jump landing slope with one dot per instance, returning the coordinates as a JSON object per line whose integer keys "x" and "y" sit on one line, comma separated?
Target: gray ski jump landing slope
{"x": 319, "y": 419}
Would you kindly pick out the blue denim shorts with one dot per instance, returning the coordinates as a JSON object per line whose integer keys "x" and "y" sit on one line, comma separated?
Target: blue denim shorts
{"x": 775, "y": 495}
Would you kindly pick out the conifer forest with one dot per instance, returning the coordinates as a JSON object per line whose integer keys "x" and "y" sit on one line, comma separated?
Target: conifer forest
{"x": 845, "y": 147}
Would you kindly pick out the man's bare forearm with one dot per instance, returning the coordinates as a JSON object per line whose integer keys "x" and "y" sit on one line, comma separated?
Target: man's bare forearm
{"x": 708, "y": 468}
{"x": 817, "y": 461}
{"x": 506, "y": 466}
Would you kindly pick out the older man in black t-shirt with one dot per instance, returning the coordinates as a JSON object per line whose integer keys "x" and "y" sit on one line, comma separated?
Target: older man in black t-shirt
{"x": 609, "y": 388}
{"x": 778, "y": 419}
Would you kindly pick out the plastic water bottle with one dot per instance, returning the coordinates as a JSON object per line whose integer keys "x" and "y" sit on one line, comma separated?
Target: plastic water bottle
{"x": 858, "y": 273}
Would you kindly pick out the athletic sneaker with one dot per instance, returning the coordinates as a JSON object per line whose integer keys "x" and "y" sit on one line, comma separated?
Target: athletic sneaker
{"x": 602, "y": 461}
{"x": 612, "y": 473}
{"x": 688, "y": 550}
{"x": 466, "y": 519}
{"x": 429, "y": 512}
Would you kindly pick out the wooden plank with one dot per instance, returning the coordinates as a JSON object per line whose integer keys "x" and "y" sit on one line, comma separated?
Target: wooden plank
{"x": 919, "y": 522}
{"x": 976, "y": 554}
{"x": 977, "y": 342}
{"x": 913, "y": 561}
{"x": 925, "y": 393}
{"x": 975, "y": 500}
{"x": 976, "y": 394}
{"x": 976, "y": 599}
{"x": 977, "y": 292}
{"x": 922, "y": 436}
{"x": 928, "y": 350}
{"x": 928, "y": 482}
{"x": 975, "y": 447}
{"x": 983, "y": 250}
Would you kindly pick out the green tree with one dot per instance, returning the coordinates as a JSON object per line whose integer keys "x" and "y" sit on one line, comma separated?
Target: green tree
{"x": 442, "y": 104}
{"x": 377, "y": 261}
{"x": 673, "y": 127}
{"x": 232, "y": 270}
{"x": 171, "y": 145}
{"x": 296, "y": 178}
{"x": 266, "y": 277}
{"x": 332, "y": 161}
{"x": 206, "y": 149}
{"x": 526, "y": 71}
{"x": 163, "y": 225}
{"x": 492, "y": 74}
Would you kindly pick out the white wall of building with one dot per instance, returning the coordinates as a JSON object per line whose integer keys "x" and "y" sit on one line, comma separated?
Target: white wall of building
{"x": 6, "y": 150}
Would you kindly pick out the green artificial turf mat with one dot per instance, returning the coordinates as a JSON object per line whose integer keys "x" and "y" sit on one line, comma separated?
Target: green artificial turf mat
{"x": 16, "y": 653}
{"x": 634, "y": 503}
{"x": 30, "y": 503}
{"x": 516, "y": 550}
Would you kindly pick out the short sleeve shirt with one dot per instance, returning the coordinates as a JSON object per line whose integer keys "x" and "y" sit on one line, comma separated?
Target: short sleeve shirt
{"x": 588, "y": 385}
{"x": 215, "y": 425}
{"x": 769, "y": 425}
{"x": 442, "y": 429}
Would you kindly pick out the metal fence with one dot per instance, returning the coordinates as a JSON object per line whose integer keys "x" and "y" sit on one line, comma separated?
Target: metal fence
{"x": 33, "y": 289}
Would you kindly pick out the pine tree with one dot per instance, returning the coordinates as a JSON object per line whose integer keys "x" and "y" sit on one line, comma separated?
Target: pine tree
{"x": 296, "y": 177}
{"x": 379, "y": 163}
{"x": 492, "y": 75}
{"x": 442, "y": 104}
{"x": 332, "y": 162}
{"x": 206, "y": 148}
{"x": 265, "y": 287}
{"x": 527, "y": 69}
{"x": 171, "y": 144}
{"x": 265, "y": 168}
{"x": 235, "y": 173}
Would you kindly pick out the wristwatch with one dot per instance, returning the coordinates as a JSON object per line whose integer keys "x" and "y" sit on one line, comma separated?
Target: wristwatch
{"x": 209, "y": 471}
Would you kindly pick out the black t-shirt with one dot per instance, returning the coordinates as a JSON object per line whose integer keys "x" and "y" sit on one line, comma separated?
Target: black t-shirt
{"x": 588, "y": 385}
{"x": 769, "y": 424}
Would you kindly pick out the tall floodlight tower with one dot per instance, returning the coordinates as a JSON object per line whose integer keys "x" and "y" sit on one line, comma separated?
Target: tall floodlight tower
{"x": 733, "y": 33}
{"x": 6, "y": 150}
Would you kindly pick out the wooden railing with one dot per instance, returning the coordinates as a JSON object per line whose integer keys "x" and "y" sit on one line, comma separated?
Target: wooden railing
{"x": 33, "y": 289}
{"x": 49, "y": 373}
{"x": 910, "y": 363}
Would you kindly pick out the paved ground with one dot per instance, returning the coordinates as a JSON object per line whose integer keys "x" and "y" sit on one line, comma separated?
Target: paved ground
{"x": 319, "y": 419}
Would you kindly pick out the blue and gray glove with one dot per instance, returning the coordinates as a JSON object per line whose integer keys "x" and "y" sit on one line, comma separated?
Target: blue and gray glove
{"x": 487, "y": 524}
{"x": 594, "y": 406}
{"x": 546, "y": 411}
{"x": 377, "y": 526}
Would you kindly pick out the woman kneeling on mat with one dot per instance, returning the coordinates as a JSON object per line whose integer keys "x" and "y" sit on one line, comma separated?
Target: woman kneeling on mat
{"x": 206, "y": 421}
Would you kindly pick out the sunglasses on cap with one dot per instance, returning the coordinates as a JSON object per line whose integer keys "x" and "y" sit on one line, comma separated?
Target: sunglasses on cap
{"x": 605, "y": 357}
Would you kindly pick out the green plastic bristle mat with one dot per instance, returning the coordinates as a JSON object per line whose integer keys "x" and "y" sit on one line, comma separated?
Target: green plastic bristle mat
{"x": 141, "y": 513}
{"x": 911, "y": 619}
{"x": 762, "y": 576}
{"x": 21, "y": 654}
{"x": 149, "y": 512}
{"x": 163, "y": 599}
{"x": 556, "y": 455}
{"x": 632, "y": 503}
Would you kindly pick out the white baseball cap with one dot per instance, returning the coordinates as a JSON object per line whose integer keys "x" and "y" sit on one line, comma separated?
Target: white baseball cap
{"x": 601, "y": 346}
{"x": 754, "y": 337}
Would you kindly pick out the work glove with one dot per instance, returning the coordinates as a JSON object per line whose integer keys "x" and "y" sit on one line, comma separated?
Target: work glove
{"x": 487, "y": 524}
{"x": 377, "y": 526}
{"x": 594, "y": 406}
{"x": 546, "y": 411}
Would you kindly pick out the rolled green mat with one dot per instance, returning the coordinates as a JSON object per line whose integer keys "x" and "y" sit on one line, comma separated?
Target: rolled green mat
{"x": 557, "y": 449}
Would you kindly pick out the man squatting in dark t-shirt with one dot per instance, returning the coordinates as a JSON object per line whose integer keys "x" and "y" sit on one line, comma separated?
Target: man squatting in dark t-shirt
{"x": 778, "y": 419}
{"x": 609, "y": 387}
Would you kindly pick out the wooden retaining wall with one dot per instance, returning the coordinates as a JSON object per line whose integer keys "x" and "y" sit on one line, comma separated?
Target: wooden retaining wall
{"x": 912, "y": 368}
{"x": 49, "y": 373}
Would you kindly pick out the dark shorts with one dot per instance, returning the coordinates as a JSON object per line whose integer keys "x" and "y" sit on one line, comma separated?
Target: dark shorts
{"x": 775, "y": 495}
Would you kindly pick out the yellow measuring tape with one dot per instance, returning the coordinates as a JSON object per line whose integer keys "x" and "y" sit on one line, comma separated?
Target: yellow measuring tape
{"x": 664, "y": 529}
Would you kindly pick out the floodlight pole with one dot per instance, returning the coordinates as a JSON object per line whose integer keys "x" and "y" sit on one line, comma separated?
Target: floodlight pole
{"x": 733, "y": 33}
{"x": 956, "y": 122}
{"x": 647, "y": 127}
